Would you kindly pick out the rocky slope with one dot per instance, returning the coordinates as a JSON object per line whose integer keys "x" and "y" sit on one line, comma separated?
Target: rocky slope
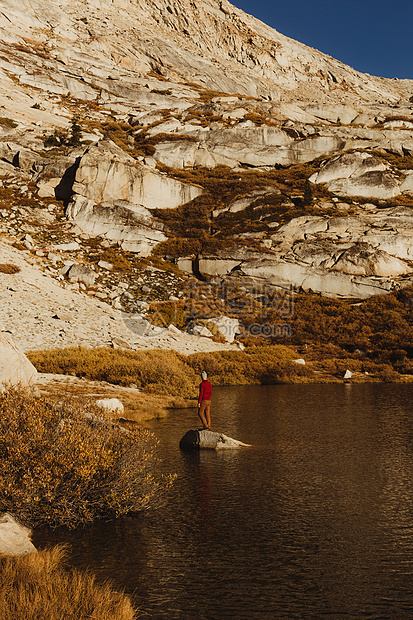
{"x": 40, "y": 310}
{"x": 234, "y": 152}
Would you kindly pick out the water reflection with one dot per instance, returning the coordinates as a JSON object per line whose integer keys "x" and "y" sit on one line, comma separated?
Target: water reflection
{"x": 315, "y": 519}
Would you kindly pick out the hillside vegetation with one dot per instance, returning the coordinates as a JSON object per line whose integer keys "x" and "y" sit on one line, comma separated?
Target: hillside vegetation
{"x": 373, "y": 338}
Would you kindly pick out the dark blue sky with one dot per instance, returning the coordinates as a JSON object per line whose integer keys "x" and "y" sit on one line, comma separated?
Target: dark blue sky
{"x": 373, "y": 36}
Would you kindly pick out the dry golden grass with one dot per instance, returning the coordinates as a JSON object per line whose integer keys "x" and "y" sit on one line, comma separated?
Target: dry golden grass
{"x": 39, "y": 587}
{"x": 260, "y": 364}
{"x": 167, "y": 373}
{"x": 155, "y": 371}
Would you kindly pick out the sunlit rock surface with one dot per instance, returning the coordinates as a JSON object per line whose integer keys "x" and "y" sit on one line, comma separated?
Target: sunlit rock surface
{"x": 15, "y": 368}
{"x": 205, "y": 439}
{"x": 14, "y": 537}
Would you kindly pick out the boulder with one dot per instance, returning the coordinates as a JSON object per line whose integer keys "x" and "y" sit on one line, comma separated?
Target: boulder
{"x": 213, "y": 266}
{"x": 200, "y": 330}
{"x": 360, "y": 174}
{"x": 81, "y": 273}
{"x": 132, "y": 226}
{"x": 15, "y": 368}
{"x": 227, "y": 327}
{"x": 199, "y": 439}
{"x": 105, "y": 265}
{"x": 329, "y": 283}
{"x": 407, "y": 184}
{"x": 398, "y": 124}
{"x": 111, "y": 405}
{"x": 364, "y": 260}
{"x": 14, "y": 537}
{"x": 47, "y": 187}
{"x": 112, "y": 195}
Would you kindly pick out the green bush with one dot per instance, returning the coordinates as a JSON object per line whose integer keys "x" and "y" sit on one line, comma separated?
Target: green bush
{"x": 59, "y": 467}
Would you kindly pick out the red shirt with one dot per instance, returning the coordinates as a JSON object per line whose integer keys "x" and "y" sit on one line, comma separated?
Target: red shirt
{"x": 205, "y": 391}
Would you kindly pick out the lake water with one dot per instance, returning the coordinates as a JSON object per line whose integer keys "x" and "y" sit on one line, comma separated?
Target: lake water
{"x": 314, "y": 520}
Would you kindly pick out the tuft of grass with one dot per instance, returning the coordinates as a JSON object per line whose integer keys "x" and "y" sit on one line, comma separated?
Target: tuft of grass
{"x": 39, "y": 585}
{"x": 62, "y": 465}
{"x": 117, "y": 258}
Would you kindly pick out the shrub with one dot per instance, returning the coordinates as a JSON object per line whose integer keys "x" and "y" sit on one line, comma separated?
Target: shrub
{"x": 178, "y": 246}
{"x": 68, "y": 137}
{"x": 8, "y": 122}
{"x": 9, "y": 268}
{"x": 116, "y": 258}
{"x": 192, "y": 223}
{"x": 166, "y": 313}
{"x": 38, "y": 585}
{"x": 402, "y": 162}
{"x": 308, "y": 193}
{"x": 59, "y": 137}
{"x": 59, "y": 467}
{"x": 75, "y": 132}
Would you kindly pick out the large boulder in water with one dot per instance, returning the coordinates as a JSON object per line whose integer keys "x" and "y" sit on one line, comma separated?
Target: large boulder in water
{"x": 198, "y": 439}
{"x": 15, "y": 368}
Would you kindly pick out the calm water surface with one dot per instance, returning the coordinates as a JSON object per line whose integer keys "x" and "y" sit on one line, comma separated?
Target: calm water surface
{"x": 314, "y": 520}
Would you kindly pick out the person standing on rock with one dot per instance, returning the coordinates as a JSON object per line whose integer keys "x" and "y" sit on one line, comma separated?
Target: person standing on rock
{"x": 204, "y": 401}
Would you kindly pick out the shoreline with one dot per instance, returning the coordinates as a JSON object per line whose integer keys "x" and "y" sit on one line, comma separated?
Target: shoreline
{"x": 143, "y": 404}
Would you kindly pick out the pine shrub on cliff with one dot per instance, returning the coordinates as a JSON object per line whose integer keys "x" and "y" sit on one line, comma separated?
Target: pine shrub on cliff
{"x": 59, "y": 467}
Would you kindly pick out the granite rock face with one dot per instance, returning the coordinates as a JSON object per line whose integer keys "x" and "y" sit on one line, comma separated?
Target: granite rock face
{"x": 15, "y": 368}
{"x": 344, "y": 256}
{"x": 113, "y": 193}
{"x": 159, "y": 103}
